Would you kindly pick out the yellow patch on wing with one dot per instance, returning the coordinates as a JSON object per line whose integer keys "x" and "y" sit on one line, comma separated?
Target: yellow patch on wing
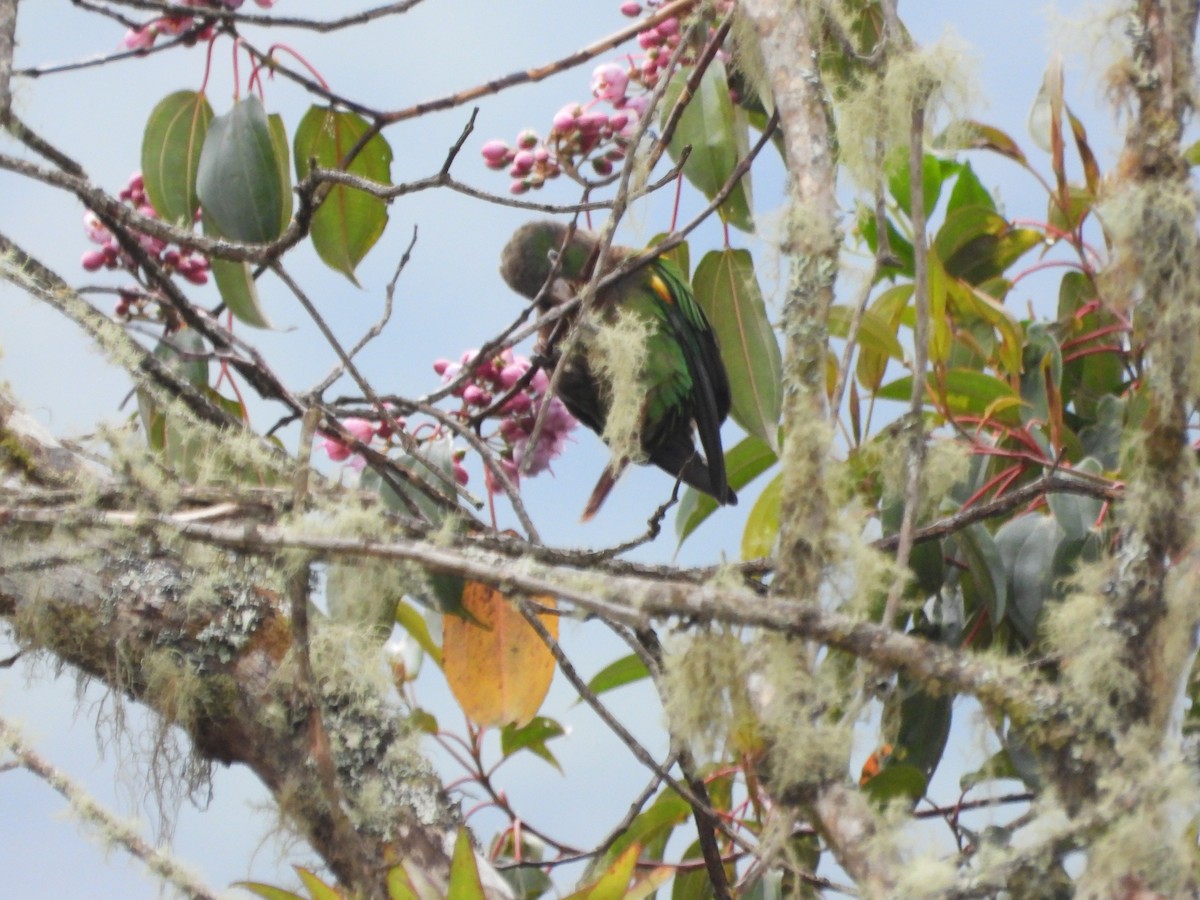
{"x": 660, "y": 287}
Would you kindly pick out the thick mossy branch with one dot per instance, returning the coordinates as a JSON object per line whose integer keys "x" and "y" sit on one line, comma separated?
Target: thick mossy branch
{"x": 786, "y": 35}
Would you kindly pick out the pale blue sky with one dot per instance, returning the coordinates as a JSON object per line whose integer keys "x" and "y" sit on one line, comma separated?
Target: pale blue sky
{"x": 448, "y": 299}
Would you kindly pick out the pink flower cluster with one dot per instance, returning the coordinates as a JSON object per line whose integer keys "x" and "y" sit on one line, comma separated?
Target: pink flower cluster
{"x": 582, "y": 133}
{"x": 190, "y": 265}
{"x": 658, "y": 42}
{"x": 495, "y": 377}
{"x": 361, "y": 430}
{"x": 144, "y": 37}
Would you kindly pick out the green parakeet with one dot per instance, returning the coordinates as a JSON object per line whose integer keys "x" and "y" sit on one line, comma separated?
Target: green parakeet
{"x": 675, "y": 379}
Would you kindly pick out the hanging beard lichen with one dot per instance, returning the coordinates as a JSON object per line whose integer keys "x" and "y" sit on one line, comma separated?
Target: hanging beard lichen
{"x": 617, "y": 356}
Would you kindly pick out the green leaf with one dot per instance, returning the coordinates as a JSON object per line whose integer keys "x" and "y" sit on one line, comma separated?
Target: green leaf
{"x": 532, "y": 737}
{"x": 526, "y": 882}
{"x": 692, "y": 883}
{"x": 976, "y": 243}
{"x": 924, "y": 726}
{"x": 895, "y": 783}
{"x": 986, "y": 572}
{"x": 963, "y": 391}
{"x": 1079, "y": 203}
{"x": 626, "y": 670}
{"x": 317, "y": 889}
{"x": 887, "y": 308}
{"x": 236, "y": 284}
{"x": 185, "y": 353}
{"x": 348, "y": 222}
{"x": 726, "y": 288}
{"x": 649, "y": 830}
{"x": 743, "y": 463}
{"x": 238, "y": 177}
{"x": 874, "y": 332}
{"x": 718, "y": 133}
{"x": 464, "y": 874}
{"x": 1192, "y": 154}
{"x": 1043, "y": 368}
{"x": 932, "y": 175}
{"x": 969, "y": 301}
{"x": 1075, "y": 513}
{"x": 279, "y": 144}
{"x": 411, "y": 620}
{"x": 762, "y": 525}
{"x": 998, "y": 766}
{"x": 968, "y": 191}
{"x": 171, "y": 146}
{"x": 971, "y": 135}
{"x": 267, "y": 891}
{"x": 1027, "y": 545}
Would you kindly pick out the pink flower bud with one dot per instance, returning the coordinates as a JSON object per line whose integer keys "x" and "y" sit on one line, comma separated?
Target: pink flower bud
{"x": 564, "y": 119}
{"x": 511, "y": 374}
{"x": 648, "y": 38}
{"x": 592, "y": 122}
{"x": 474, "y": 395}
{"x": 522, "y": 163}
{"x": 93, "y": 260}
{"x": 518, "y": 187}
{"x": 495, "y": 154}
{"x": 618, "y": 121}
{"x": 441, "y": 365}
{"x": 631, "y": 8}
{"x": 602, "y": 166}
{"x": 460, "y": 474}
{"x": 527, "y": 139}
{"x": 668, "y": 27}
{"x": 139, "y": 38}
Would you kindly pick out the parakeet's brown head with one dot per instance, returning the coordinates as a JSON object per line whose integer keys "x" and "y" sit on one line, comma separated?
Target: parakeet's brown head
{"x": 529, "y": 255}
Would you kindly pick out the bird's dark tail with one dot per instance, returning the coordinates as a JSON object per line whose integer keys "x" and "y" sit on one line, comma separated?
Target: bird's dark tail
{"x": 680, "y": 457}
{"x": 695, "y": 472}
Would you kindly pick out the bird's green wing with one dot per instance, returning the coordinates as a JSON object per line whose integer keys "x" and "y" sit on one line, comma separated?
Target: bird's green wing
{"x": 706, "y": 386}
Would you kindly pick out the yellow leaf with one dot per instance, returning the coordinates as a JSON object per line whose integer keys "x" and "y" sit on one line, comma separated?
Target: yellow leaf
{"x": 497, "y": 667}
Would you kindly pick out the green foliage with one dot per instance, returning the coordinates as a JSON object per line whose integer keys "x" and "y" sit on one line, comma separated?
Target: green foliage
{"x": 349, "y": 221}
{"x": 717, "y": 132}
{"x": 171, "y": 147}
{"x": 241, "y": 179}
{"x": 726, "y": 288}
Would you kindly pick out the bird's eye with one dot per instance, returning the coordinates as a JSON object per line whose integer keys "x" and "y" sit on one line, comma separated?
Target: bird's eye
{"x": 552, "y": 256}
